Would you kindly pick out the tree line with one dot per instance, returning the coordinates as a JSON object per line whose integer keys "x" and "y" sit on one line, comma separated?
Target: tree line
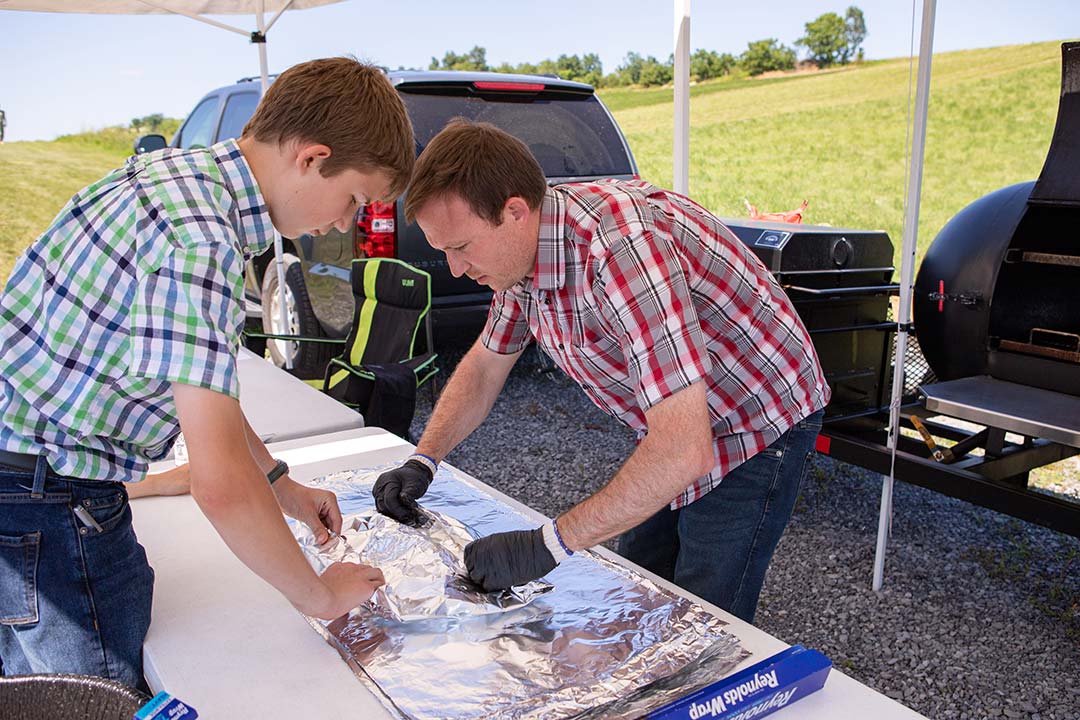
{"x": 829, "y": 40}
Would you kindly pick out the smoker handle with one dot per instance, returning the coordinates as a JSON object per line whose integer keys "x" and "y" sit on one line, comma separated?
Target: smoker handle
{"x": 844, "y": 290}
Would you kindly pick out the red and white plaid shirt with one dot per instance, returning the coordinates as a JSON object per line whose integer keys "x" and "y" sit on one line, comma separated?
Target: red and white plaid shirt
{"x": 638, "y": 293}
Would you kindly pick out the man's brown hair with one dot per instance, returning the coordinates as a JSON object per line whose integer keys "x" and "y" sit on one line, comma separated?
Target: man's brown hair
{"x": 482, "y": 164}
{"x": 347, "y": 105}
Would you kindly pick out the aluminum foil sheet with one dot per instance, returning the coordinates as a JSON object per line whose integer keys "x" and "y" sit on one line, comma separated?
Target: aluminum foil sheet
{"x": 605, "y": 642}
{"x": 424, "y": 569}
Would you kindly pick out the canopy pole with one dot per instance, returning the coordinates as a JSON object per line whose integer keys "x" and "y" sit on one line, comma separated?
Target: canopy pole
{"x": 279, "y": 251}
{"x": 680, "y": 178}
{"x": 260, "y": 40}
{"x": 907, "y": 272}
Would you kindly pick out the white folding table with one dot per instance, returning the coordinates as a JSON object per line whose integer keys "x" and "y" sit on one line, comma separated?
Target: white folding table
{"x": 226, "y": 642}
{"x": 281, "y": 407}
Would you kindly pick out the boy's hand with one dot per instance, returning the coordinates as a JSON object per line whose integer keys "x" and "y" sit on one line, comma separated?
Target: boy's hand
{"x": 349, "y": 585}
{"x": 174, "y": 481}
{"x": 318, "y": 509}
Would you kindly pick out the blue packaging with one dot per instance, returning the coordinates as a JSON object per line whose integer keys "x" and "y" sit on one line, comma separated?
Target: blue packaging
{"x": 760, "y": 689}
{"x": 164, "y": 706}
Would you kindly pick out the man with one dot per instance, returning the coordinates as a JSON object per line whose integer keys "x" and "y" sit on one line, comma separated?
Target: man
{"x": 666, "y": 321}
{"x": 119, "y": 327}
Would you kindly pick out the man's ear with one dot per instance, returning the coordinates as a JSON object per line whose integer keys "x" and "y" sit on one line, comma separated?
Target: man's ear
{"x": 311, "y": 156}
{"x": 516, "y": 209}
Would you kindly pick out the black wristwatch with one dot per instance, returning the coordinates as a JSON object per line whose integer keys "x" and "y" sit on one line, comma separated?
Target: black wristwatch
{"x": 277, "y": 471}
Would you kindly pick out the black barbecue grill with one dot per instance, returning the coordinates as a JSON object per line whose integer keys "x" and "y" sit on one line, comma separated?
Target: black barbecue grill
{"x": 997, "y": 292}
{"x": 997, "y": 316}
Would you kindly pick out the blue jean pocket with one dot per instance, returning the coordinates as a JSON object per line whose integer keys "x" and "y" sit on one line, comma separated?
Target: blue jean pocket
{"x": 18, "y": 578}
{"x": 105, "y": 508}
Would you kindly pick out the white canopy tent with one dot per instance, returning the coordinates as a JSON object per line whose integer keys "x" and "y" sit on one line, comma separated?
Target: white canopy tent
{"x": 917, "y": 146}
{"x": 196, "y": 10}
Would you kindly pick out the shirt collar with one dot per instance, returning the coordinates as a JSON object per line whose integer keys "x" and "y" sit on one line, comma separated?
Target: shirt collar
{"x": 550, "y": 273}
{"x": 255, "y": 230}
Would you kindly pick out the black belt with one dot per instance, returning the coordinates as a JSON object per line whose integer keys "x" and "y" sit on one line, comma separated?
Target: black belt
{"x": 22, "y": 461}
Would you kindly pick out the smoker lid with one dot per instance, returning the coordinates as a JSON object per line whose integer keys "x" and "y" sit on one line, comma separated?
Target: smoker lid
{"x": 1059, "y": 182}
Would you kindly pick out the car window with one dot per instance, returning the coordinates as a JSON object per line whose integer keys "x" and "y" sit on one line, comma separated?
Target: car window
{"x": 198, "y": 131}
{"x": 238, "y": 110}
{"x": 570, "y": 136}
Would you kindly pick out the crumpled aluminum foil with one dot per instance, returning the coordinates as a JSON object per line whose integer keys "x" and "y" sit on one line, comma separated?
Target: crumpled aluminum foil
{"x": 424, "y": 568}
{"x": 606, "y": 642}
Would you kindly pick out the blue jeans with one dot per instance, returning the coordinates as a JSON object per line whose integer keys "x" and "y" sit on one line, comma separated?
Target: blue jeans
{"x": 73, "y": 598}
{"x": 719, "y": 547}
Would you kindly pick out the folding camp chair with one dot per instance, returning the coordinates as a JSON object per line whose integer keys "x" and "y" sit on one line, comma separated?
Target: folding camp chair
{"x": 379, "y": 370}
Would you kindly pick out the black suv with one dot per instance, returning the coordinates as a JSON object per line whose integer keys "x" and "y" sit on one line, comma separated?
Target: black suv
{"x": 568, "y": 129}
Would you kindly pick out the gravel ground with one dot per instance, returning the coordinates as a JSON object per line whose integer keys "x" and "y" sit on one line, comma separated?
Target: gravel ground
{"x": 980, "y": 613}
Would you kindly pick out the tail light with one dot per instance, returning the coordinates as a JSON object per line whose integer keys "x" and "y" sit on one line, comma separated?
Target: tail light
{"x": 376, "y": 231}
{"x": 500, "y": 86}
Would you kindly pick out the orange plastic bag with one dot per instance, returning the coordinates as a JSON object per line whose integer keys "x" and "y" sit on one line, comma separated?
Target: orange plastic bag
{"x": 792, "y": 216}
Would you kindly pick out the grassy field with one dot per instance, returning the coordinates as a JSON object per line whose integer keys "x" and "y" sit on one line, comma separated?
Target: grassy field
{"x": 38, "y": 178}
{"x": 837, "y": 139}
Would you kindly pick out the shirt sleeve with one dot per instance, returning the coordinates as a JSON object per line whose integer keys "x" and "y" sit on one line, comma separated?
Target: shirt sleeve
{"x": 646, "y": 298}
{"x": 187, "y": 317}
{"x": 507, "y": 329}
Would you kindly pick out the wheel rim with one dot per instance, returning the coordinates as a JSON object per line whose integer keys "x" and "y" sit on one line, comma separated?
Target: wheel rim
{"x": 285, "y": 348}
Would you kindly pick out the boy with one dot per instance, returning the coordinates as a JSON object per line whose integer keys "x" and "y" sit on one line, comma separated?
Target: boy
{"x": 119, "y": 328}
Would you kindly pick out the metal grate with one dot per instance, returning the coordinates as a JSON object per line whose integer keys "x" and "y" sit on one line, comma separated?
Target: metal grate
{"x": 916, "y": 369}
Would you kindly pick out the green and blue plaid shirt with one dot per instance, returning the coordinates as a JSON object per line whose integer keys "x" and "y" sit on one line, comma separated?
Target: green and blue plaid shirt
{"x": 137, "y": 284}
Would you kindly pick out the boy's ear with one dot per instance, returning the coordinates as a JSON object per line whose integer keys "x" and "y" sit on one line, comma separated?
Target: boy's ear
{"x": 311, "y": 156}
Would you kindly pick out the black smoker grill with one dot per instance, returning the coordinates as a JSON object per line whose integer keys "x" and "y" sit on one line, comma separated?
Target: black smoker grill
{"x": 997, "y": 317}
{"x": 997, "y": 293}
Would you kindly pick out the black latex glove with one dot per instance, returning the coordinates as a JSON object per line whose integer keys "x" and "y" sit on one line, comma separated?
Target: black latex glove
{"x": 397, "y": 490}
{"x": 506, "y": 559}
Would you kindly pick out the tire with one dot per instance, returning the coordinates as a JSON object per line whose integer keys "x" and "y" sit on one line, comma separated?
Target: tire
{"x": 309, "y": 359}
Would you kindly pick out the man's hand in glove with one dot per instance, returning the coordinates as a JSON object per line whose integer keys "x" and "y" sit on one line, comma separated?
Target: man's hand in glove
{"x": 397, "y": 490}
{"x": 504, "y": 560}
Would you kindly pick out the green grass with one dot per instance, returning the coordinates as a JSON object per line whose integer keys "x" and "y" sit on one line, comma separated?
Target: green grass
{"x": 838, "y": 138}
{"x": 835, "y": 138}
{"x": 36, "y": 180}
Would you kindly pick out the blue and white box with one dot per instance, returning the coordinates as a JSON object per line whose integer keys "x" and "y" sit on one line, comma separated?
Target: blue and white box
{"x": 164, "y": 706}
{"x": 773, "y": 683}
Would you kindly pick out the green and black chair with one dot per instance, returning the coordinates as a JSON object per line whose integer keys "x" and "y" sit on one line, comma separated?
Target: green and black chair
{"x": 380, "y": 370}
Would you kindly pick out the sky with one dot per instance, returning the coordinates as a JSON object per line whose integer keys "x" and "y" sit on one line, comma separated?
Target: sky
{"x": 66, "y": 73}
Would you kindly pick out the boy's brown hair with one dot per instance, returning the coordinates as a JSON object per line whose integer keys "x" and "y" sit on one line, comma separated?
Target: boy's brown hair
{"x": 482, "y": 164}
{"x": 347, "y": 105}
